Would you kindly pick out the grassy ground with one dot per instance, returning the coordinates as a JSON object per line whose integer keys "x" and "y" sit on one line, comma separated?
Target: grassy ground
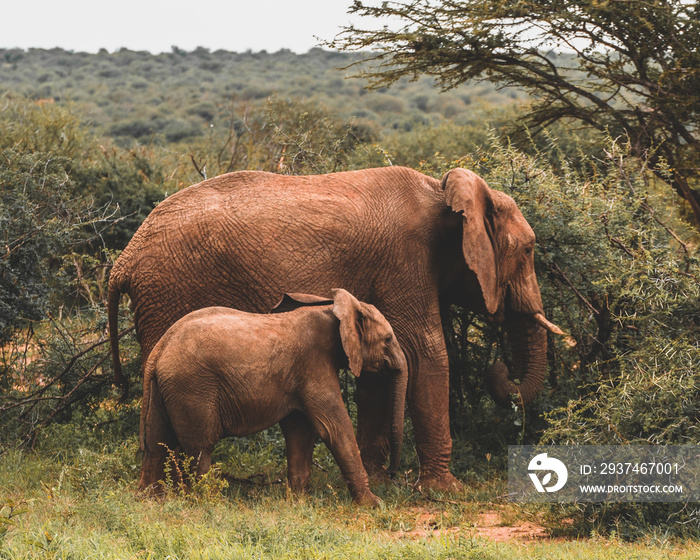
{"x": 72, "y": 501}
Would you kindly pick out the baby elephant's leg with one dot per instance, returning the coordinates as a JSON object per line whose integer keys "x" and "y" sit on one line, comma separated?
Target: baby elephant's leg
{"x": 158, "y": 439}
{"x": 201, "y": 461}
{"x": 153, "y": 468}
{"x": 299, "y": 436}
{"x": 330, "y": 418}
{"x": 198, "y": 433}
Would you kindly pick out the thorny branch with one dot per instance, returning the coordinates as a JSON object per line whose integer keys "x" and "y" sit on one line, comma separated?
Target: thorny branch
{"x": 613, "y": 240}
{"x": 29, "y": 403}
{"x": 202, "y": 171}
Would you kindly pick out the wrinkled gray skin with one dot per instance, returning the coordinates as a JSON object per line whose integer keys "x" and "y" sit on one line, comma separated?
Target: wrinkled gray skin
{"x": 220, "y": 372}
{"x": 407, "y": 243}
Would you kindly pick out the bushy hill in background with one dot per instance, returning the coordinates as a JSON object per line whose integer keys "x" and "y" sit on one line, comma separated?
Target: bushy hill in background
{"x": 175, "y": 96}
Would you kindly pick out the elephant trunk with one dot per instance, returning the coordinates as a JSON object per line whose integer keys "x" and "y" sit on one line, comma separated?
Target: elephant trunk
{"x": 398, "y": 402}
{"x": 528, "y": 341}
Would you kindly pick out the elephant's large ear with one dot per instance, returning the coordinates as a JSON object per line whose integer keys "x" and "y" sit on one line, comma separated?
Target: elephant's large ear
{"x": 348, "y": 310}
{"x": 468, "y": 193}
{"x": 290, "y": 302}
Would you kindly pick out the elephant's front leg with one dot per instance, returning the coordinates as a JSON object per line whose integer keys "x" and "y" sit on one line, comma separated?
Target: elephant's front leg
{"x": 330, "y": 419}
{"x": 299, "y": 436}
{"x": 428, "y": 406}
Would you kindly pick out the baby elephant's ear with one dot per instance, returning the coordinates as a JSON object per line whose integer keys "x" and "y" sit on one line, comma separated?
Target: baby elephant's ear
{"x": 347, "y": 309}
{"x": 290, "y": 302}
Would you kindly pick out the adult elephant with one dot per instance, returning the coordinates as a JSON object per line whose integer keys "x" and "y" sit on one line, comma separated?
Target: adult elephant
{"x": 405, "y": 242}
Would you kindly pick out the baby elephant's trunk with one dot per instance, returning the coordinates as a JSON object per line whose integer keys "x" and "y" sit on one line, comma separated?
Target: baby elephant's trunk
{"x": 398, "y": 402}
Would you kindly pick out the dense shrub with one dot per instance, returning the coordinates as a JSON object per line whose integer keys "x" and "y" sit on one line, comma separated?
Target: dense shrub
{"x": 620, "y": 272}
{"x": 131, "y": 182}
{"x": 100, "y": 179}
{"x": 284, "y": 136}
{"x": 41, "y": 219}
{"x": 60, "y": 223}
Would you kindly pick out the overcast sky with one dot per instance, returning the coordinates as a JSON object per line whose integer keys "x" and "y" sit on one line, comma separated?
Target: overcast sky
{"x": 157, "y": 25}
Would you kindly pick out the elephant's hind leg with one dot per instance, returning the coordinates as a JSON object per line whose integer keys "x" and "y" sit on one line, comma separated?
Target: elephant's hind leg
{"x": 158, "y": 441}
{"x": 198, "y": 462}
{"x": 299, "y": 436}
{"x": 198, "y": 429}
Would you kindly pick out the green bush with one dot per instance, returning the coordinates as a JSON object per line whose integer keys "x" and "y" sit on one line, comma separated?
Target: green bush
{"x": 38, "y": 223}
{"x": 38, "y": 127}
{"x": 618, "y": 270}
{"x": 61, "y": 221}
{"x": 284, "y": 136}
{"x": 126, "y": 183}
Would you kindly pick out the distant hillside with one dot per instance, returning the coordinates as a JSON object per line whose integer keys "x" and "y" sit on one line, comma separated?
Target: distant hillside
{"x": 174, "y": 96}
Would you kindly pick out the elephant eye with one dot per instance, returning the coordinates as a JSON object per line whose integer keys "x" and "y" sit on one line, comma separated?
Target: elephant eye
{"x": 388, "y": 338}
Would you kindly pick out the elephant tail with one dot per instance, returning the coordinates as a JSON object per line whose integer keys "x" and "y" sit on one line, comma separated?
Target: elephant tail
{"x": 150, "y": 389}
{"x": 113, "y": 297}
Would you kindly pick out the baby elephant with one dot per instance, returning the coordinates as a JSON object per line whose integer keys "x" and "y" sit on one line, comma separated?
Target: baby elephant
{"x": 220, "y": 372}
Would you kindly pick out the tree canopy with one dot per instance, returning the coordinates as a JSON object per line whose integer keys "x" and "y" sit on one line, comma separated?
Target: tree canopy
{"x": 625, "y": 67}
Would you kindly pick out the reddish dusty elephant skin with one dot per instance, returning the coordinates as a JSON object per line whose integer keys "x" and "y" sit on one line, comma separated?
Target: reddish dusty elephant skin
{"x": 393, "y": 237}
{"x": 222, "y": 372}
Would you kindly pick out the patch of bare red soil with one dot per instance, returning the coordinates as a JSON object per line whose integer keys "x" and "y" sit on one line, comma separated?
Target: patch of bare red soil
{"x": 488, "y": 526}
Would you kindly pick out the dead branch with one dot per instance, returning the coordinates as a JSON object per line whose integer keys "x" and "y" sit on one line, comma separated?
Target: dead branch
{"x": 29, "y": 414}
{"x": 201, "y": 170}
{"x": 672, "y": 233}
{"x": 554, "y": 267}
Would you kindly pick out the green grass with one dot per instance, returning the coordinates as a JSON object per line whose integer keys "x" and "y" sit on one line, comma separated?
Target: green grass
{"x": 67, "y": 501}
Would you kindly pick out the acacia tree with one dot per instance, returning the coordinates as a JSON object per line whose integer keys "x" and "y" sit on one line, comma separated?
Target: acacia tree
{"x": 626, "y": 67}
